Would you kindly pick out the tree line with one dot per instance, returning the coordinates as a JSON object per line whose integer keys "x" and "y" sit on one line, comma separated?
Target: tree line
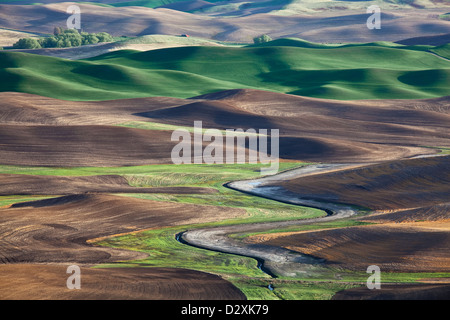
{"x": 63, "y": 38}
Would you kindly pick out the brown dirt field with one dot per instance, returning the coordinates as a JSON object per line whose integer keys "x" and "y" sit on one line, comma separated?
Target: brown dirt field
{"x": 371, "y": 120}
{"x": 83, "y": 146}
{"x": 45, "y": 131}
{"x": 397, "y": 292}
{"x": 56, "y": 231}
{"x": 29, "y": 109}
{"x": 402, "y": 184}
{"x": 9, "y": 37}
{"x": 18, "y": 184}
{"x": 392, "y": 247}
{"x": 48, "y": 282}
{"x": 355, "y": 130}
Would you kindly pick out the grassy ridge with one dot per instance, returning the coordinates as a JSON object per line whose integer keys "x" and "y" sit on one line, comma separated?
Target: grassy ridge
{"x": 370, "y": 71}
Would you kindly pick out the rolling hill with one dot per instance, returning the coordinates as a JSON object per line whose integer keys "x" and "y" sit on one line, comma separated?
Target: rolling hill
{"x": 328, "y": 23}
{"x": 234, "y": 7}
{"x": 411, "y": 183}
{"x": 359, "y": 71}
{"x": 87, "y": 177}
{"x": 44, "y": 131}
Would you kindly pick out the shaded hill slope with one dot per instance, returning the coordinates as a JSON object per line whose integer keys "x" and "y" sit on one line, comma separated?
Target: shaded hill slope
{"x": 391, "y": 185}
{"x": 45, "y": 131}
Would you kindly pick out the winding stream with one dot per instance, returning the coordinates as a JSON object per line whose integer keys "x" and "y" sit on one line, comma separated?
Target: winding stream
{"x": 272, "y": 260}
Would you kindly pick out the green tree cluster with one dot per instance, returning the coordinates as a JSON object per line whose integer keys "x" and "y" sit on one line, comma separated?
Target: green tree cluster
{"x": 261, "y": 39}
{"x": 63, "y": 39}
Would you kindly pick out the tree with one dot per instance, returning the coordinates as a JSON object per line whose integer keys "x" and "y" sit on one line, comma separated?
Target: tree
{"x": 49, "y": 42}
{"x": 90, "y": 39}
{"x": 67, "y": 43}
{"x": 104, "y": 37}
{"x": 59, "y": 43}
{"x": 27, "y": 43}
{"x": 70, "y": 31}
{"x": 74, "y": 38}
{"x": 261, "y": 39}
{"x": 65, "y": 39}
{"x": 57, "y": 31}
{"x": 75, "y": 41}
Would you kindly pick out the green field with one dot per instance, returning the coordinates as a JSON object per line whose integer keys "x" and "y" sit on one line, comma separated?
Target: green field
{"x": 354, "y": 71}
{"x": 445, "y": 16}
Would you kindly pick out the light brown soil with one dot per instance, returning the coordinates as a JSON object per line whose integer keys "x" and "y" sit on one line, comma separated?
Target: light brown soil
{"x": 9, "y": 37}
{"x": 440, "y": 212}
{"x": 328, "y": 27}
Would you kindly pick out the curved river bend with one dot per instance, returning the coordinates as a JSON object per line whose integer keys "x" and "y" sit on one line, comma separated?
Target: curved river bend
{"x": 273, "y": 260}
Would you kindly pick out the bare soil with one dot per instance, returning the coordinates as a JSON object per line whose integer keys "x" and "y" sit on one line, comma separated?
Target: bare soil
{"x": 392, "y": 247}
{"x": 21, "y": 184}
{"x": 326, "y": 26}
{"x": 397, "y": 292}
{"x": 58, "y": 230}
{"x": 48, "y": 282}
{"x": 402, "y": 184}
{"x": 50, "y": 132}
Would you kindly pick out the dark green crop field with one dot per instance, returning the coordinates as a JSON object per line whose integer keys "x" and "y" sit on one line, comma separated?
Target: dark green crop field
{"x": 345, "y": 72}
